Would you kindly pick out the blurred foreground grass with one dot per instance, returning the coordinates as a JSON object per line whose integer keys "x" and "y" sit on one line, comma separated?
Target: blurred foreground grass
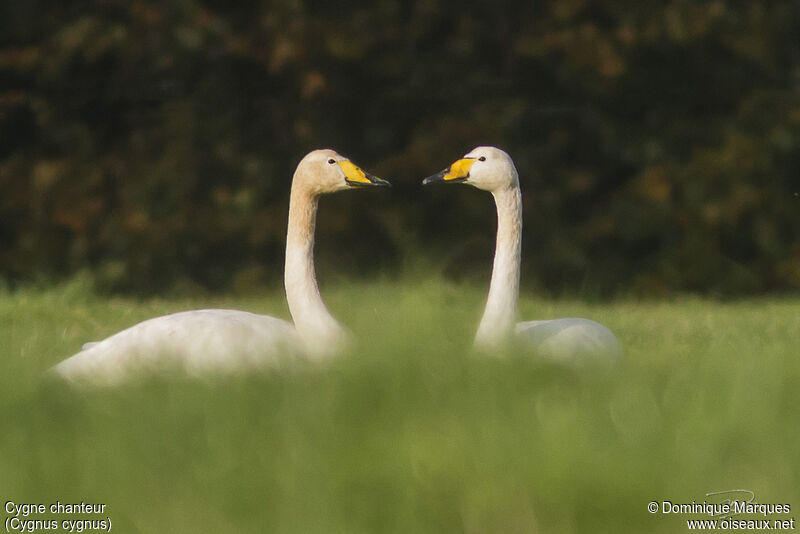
{"x": 411, "y": 432}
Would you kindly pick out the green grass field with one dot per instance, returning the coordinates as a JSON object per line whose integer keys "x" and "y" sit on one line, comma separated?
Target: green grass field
{"x": 411, "y": 432}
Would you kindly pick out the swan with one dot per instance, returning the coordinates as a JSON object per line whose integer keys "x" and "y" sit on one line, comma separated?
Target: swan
{"x": 491, "y": 169}
{"x": 211, "y": 340}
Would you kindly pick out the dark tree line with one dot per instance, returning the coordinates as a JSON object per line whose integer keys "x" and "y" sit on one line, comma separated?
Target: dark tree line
{"x": 152, "y": 143}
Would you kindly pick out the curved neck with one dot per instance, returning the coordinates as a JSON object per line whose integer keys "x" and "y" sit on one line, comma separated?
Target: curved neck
{"x": 497, "y": 324}
{"x": 315, "y": 324}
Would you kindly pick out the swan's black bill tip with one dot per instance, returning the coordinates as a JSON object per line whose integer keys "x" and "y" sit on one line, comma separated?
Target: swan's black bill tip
{"x": 371, "y": 181}
{"x": 379, "y": 182}
{"x": 435, "y": 179}
{"x": 444, "y": 177}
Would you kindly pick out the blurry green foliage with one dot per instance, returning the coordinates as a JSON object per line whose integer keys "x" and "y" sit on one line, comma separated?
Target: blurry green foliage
{"x": 153, "y": 143}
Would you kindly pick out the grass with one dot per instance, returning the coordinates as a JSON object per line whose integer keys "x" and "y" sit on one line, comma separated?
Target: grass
{"x": 411, "y": 432}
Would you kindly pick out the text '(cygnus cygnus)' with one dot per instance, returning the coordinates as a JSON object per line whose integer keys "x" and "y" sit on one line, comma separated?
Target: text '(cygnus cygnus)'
{"x": 491, "y": 169}
{"x": 201, "y": 341}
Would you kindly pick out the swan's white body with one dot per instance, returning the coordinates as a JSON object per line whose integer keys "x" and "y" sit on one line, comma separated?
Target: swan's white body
{"x": 491, "y": 169}
{"x": 569, "y": 338}
{"x": 225, "y": 341}
{"x": 196, "y": 341}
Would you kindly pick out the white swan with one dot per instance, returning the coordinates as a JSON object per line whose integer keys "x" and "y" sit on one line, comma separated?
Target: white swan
{"x": 201, "y": 341}
{"x": 491, "y": 169}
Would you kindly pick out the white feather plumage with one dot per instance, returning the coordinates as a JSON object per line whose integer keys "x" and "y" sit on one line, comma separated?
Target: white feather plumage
{"x": 228, "y": 341}
{"x": 492, "y": 170}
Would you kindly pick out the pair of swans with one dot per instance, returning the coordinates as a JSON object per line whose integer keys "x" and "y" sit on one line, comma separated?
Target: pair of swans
{"x": 203, "y": 341}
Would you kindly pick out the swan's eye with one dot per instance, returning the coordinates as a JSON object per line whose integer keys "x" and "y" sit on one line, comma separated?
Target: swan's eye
{"x": 482, "y": 158}
{"x": 331, "y": 161}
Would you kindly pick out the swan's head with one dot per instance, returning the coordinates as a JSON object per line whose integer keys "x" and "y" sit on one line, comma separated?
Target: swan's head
{"x": 485, "y": 167}
{"x": 326, "y": 171}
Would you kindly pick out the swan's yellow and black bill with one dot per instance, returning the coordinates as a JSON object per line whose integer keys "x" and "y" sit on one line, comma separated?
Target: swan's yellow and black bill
{"x": 355, "y": 177}
{"x": 457, "y": 172}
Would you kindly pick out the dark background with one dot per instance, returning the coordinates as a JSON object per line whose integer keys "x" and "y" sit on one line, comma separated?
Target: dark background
{"x": 150, "y": 145}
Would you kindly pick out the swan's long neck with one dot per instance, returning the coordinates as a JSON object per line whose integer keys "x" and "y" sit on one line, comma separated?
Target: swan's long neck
{"x": 497, "y": 324}
{"x": 315, "y": 324}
